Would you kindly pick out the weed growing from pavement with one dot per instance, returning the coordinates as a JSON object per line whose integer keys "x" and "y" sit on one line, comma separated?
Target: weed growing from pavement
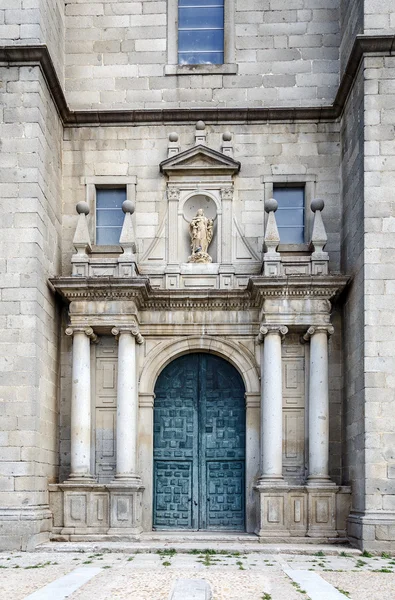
{"x": 38, "y": 565}
{"x": 344, "y": 554}
{"x": 130, "y": 558}
{"x": 320, "y": 553}
{"x": 240, "y": 564}
{"x": 344, "y": 592}
{"x": 382, "y": 571}
{"x": 298, "y": 588}
{"x": 266, "y": 596}
{"x": 167, "y": 552}
{"x": 385, "y": 555}
{"x": 367, "y": 554}
{"x": 166, "y": 563}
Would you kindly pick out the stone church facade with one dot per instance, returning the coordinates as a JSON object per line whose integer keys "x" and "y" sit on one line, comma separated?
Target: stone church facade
{"x": 141, "y": 388}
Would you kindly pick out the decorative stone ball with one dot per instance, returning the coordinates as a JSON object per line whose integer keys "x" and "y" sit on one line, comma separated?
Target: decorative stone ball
{"x": 227, "y": 136}
{"x": 271, "y": 205}
{"x": 200, "y": 125}
{"x": 82, "y": 208}
{"x": 173, "y": 137}
{"x": 317, "y": 204}
{"x": 128, "y": 207}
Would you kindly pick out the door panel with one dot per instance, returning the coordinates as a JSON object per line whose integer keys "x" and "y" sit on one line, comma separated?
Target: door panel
{"x": 199, "y": 445}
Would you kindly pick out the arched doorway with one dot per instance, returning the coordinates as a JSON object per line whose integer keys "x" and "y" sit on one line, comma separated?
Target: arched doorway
{"x": 199, "y": 445}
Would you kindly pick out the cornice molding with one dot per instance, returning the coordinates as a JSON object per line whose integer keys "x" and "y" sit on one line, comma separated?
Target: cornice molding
{"x": 139, "y": 291}
{"x": 39, "y": 55}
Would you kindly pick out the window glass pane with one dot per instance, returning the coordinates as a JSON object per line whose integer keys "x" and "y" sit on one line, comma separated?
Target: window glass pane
{"x": 197, "y": 3}
{"x": 200, "y": 40}
{"x": 200, "y": 58}
{"x": 109, "y": 215}
{"x": 110, "y": 197}
{"x": 201, "y": 18}
{"x": 108, "y": 236}
{"x": 290, "y": 214}
{"x": 201, "y": 31}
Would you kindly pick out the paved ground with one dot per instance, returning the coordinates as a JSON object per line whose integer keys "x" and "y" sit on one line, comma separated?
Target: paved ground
{"x": 232, "y": 575}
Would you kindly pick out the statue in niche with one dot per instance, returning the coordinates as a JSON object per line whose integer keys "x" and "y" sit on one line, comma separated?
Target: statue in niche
{"x": 201, "y": 232}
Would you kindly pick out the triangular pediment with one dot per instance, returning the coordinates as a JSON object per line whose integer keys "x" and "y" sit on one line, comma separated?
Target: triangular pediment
{"x": 200, "y": 158}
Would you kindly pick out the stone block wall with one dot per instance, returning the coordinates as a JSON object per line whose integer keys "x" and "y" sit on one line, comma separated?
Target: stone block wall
{"x": 352, "y": 177}
{"x": 30, "y": 235}
{"x": 281, "y": 150}
{"x": 379, "y": 17}
{"x": 41, "y": 22}
{"x": 351, "y": 24}
{"x": 379, "y": 224}
{"x": 286, "y": 53}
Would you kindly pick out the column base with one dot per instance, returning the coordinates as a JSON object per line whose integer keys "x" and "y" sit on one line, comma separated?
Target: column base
{"x": 313, "y": 481}
{"x": 81, "y": 478}
{"x": 301, "y": 511}
{"x": 125, "y": 507}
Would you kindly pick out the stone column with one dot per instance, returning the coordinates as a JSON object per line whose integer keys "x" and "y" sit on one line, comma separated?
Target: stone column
{"x": 318, "y": 405}
{"x": 81, "y": 404}
{"x": 126, "y": 488}
{"x": 271, "y": 404}
{"x": 127, "y": 404}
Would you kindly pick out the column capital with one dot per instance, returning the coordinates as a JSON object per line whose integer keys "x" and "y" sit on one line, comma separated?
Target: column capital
{"x": 328, "y": 329}
{"x": 264, "y": 330}
{"x": 227, "y": 193}
{"x": 173, "y": 193}
{"x": 131, "y": 329}
{"x": 87, "y": 330}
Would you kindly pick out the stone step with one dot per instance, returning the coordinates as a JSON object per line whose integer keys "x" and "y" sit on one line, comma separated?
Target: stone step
{"x": 292, "y": 546}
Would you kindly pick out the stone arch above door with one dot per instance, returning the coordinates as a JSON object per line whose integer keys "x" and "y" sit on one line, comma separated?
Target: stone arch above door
{"x": 243, "y": 360}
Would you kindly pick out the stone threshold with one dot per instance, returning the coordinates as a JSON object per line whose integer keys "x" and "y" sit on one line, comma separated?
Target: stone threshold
{"x": 294, "y": 546}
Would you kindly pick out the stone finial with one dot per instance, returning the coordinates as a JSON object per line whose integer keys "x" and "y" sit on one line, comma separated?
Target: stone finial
{"x": 272, "y": 258}
{"x": 173, "y": 147}
{"x": 81, "y": 240}
{"x": 227, "y": 144}
{"x": 319, "y": 239}
{"x": 200, "y": 133}
{"x": 272, "y": 237}
{"x": 127, "y": 260}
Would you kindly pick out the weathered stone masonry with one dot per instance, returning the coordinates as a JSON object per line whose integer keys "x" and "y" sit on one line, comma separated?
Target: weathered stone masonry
{"x": 91, "y": 96}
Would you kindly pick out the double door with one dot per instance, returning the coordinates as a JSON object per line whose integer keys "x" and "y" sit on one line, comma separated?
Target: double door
{"x": 199, "y": 445}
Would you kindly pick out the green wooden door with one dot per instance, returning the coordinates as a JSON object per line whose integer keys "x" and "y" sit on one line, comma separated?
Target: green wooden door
{"x": 199, "y": 445}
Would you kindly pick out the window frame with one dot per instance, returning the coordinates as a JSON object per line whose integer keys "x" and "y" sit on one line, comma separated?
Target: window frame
{"x": 309, "y": 183}
{"x": 102, "y": 181}
{"x": 228, "y": 67}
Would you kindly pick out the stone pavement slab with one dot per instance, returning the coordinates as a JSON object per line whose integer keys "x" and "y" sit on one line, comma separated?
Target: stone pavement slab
{"x": 315, "y": 587}
{"x": 191, "y": 589}
{"x": 65, "y": 586}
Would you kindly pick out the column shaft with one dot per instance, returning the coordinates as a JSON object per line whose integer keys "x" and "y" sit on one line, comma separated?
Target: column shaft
{"x": 81, "y": 408}
{"x": 318, "y": 407}
{"x": 127, "y": 407}
{"x": 271, "y": 406}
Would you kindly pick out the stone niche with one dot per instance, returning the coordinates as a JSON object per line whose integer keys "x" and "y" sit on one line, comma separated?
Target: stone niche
{"x": 200, "y": 177}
